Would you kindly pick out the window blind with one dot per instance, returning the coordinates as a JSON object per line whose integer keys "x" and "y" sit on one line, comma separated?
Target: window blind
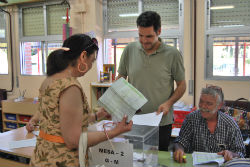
{"x": 2, "y": 25}
{"x": 117, "y": 7}
{"x": 56, "y": 17}
{"x": 33, "y": 21}
{"x": 167, "y": 9}
{"x": 231, "y": 13}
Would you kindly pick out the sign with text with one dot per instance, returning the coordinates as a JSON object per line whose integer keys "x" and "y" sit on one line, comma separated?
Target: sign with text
{"x": 104, "y": 154}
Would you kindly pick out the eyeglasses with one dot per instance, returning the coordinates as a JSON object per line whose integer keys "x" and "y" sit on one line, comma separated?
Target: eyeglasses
{"x": 93, "y": 42}
{"x": 216, "y": 88}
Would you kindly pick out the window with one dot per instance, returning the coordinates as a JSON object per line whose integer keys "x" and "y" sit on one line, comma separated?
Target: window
{"x": 3, "y": 45}
{"x": 41, "y": 28}
{"x": 228, "y": 40}
{"x": 120, "y": 24}
{"x": 115, "y": 47}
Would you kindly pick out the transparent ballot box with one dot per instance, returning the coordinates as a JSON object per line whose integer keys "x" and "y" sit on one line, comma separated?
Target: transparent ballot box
{"x": 145, "y": 140}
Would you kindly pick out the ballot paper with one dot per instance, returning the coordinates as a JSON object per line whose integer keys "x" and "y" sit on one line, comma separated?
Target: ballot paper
{"x": 175, "y": 132}
{"x": 150, "y": 119}
{"x": 120, "y": 99}
{"x": 36, "y": 132}
{"x": 201, "y": 158}
{"x": 22, "y": 143}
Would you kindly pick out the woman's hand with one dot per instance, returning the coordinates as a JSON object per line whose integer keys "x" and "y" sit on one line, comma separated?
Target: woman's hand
{"x": 30, "y": 126}
{"x": 102, "y": 113}
{"x": 123, "y": 126}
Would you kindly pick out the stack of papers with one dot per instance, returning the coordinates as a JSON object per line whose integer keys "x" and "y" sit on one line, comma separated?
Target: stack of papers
{"x": 200, "y": 158}
{"x": 121, "y": 99}
{"x": 22, "y": 143}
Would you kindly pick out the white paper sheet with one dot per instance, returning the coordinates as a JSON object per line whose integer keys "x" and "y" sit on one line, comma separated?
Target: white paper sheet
{"x": 150, "y": 119}
{"x": 36, "y": 132}
{"x": 22, "y": 143}
{"x": 175, "y": 132}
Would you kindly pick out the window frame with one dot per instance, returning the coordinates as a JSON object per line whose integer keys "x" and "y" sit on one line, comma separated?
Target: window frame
{"x": 178, "y": 34}
{"x": 210, "y": 33}
{"x": 4, "y": 40}
{"x": 43, "y": 39}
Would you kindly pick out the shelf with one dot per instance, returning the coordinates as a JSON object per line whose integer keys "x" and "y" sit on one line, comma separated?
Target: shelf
{"x": 7, "y": 129}
{"x": 99, "y": 84}
{"x": 21, "y": 122}
{"x": 7, "y": 120}
{"x": 17, "y": 114}
{"x": 97, "y": 89}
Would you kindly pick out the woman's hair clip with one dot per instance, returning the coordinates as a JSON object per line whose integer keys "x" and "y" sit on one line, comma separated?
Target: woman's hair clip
{"x": 64, "y": 48}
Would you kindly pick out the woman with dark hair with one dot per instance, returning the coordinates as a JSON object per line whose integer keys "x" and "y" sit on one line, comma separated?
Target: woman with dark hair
{"x": 64, "y": 112}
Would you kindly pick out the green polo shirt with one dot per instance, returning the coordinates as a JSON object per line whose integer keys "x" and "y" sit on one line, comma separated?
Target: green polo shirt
{"x": 153, "y": 75}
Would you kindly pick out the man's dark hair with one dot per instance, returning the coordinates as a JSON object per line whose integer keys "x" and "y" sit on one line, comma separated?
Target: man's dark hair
{"x": 148, "y": 19}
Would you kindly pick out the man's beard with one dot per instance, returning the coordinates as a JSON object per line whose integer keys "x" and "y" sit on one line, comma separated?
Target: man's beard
{"x": 204, "y": 110}
{"x": 207, "y": 110}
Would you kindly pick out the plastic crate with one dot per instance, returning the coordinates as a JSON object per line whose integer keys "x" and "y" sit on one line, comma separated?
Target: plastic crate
{"x": 11, "y": 125}
{"x": 180, "y": 115}
{"x": 24, "y": 118}
{"x": 10, "y": 117}
{"x": 176, "y": 125}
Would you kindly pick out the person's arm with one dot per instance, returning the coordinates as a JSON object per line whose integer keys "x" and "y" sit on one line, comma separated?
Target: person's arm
{"x": 228, "y": 155}
{"x": 30, "y": 126}
{"x": 179, "y": 155}
{"x": 184, "y": 141}
{"x": 97, "y": 137}
{"x": 71, "y": 118}
{"x": 237, "y": 146}
{"x": 178, "y": 93}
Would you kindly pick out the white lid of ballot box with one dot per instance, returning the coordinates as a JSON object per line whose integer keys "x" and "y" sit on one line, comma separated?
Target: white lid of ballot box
{"x": 143, "y": 133}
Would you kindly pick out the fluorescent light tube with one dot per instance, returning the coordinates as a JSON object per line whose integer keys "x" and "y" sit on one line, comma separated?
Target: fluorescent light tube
{"x": 221, "y": 7}
{"x": 64, "y": 17}
{"x": 129, "y": 15}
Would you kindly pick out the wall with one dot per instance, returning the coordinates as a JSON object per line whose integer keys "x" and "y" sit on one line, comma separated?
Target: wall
{"x": 84, "y": 19}
{"x": 232, "y": 89}
{"x": 86, "y": 16}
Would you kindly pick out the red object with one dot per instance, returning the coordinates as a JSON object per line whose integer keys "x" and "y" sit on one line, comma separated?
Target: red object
{"x": 24, "y": 118}
{"x": 179, "y": 117}
{"x": 51, "y": 138}
{"x": 67, "y": 16}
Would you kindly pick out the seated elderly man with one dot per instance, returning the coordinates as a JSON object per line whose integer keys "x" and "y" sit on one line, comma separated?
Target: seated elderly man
{"x": 209, "y": 130}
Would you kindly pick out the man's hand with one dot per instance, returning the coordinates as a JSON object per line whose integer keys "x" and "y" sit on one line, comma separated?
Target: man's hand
{"x": 165, "y": 107}
{"x": 228, "y": 155}
{"x": 179, "y": 156}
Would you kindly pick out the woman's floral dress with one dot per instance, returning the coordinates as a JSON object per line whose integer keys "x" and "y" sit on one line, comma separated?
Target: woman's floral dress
{"x": 48, "y": 153}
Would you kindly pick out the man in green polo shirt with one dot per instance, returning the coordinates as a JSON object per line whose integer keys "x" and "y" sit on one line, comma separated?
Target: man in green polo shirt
{"x": 152, "y": 67}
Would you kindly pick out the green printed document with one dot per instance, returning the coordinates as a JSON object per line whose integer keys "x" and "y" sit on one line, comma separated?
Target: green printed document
{"x": 207, "y": 159}
{"x": 121, "y": 99}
